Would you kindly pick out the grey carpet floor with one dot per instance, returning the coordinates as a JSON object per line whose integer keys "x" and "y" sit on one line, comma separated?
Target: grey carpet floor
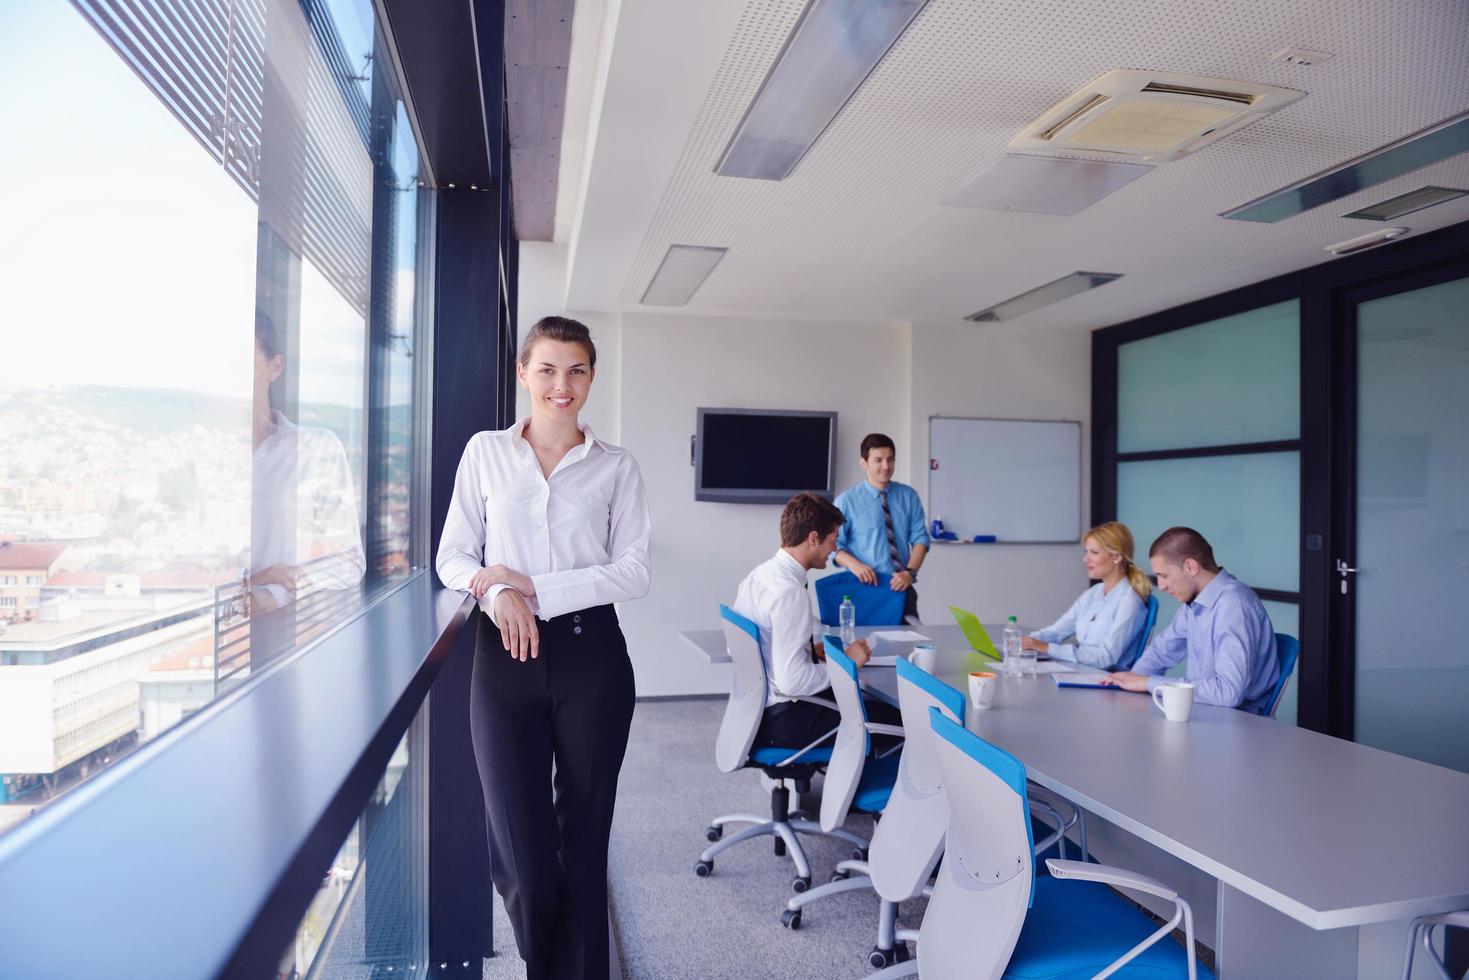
{"x": 672, "y": 924}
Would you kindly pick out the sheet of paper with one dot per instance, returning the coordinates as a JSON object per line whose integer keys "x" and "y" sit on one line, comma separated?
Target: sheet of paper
{"x": 897, "y": 636}
{"x": 1054, "y": 667}
{"x": 883, "y": 661}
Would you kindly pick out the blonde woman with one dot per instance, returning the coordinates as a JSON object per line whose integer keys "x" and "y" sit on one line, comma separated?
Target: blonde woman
{"x": 1103, "y": 624}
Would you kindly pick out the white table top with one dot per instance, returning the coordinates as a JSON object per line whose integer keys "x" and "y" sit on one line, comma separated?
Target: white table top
{"x": 1327, "y": 831}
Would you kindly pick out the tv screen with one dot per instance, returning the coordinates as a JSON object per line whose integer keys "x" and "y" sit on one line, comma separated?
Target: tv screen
{"x": 749, "y": 456}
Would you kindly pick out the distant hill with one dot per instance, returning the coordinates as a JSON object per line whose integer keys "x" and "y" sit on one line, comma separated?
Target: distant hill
{"x": 163, "y": 410}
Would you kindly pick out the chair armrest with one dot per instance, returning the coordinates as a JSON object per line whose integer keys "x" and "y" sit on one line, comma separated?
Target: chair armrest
{"x": 879, "y": 729}
{"x": 1108, "y": 875}
{"x": 821, "y": 701}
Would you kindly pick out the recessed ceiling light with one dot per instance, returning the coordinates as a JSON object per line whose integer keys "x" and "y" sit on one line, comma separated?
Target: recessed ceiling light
{"x": 1426, "y": 146}
{"x": 1050, "y": 185}
{"x": 680, "y": 274}
{"x": 834, "y": 46}
{"x": 1363, "y": 242}
{"x": 1396, "y": 207}
{"x": 1052, "y": 292}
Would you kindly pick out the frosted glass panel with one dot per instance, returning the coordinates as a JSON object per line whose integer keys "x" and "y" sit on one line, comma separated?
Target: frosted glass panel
{"x": 1223, "y": 382}
{"x": 1413, "y": 524}
{"x": 1248, "y": 507}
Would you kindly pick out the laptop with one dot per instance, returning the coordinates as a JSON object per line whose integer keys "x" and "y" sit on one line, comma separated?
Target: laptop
{"x": 975, "y": 633}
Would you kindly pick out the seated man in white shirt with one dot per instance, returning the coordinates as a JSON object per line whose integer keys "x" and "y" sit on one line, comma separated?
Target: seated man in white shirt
{"x": 774, "y": 597}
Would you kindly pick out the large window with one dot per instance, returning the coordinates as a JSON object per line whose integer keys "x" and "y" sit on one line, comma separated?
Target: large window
{"x": 1208, "y": 430}
{"x": 216, "y": 239}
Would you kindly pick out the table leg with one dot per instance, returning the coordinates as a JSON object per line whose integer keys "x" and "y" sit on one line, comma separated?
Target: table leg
{"x": 1254, "y": 940}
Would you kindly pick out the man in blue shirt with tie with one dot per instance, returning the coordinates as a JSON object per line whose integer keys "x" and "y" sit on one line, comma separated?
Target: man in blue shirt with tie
{"x": 884, "y": 530}
{"x": 1222, "y": 629}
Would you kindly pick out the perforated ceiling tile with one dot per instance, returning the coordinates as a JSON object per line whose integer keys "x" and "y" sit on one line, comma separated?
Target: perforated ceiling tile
{"x": 858, "y": 229}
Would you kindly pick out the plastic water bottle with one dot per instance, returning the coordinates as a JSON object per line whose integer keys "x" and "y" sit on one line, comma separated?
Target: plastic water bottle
{"x": 847, "y": 617}
{"x": 1011, "y": 647}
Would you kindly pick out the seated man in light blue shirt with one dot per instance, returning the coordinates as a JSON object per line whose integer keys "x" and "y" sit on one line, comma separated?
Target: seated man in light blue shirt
{"x": 1222, "y": 629}
{"x": 884, "y": 531}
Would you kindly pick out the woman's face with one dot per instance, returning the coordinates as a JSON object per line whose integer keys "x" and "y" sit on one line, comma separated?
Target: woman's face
{"x": 1099, "y": 564}
{"x": 558, "y": 377}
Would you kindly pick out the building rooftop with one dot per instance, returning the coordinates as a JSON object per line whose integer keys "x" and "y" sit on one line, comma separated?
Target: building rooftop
{"x": 21, "y": 555}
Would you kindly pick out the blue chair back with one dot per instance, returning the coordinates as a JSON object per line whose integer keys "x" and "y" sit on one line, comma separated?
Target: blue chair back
{"x": 849, "y": 754}
{"x": 910, "y": 836}
{"x": 1288, "y": 650}
{"x": 746, "y": 706}
{"x": 1150, "y": 619}
{"x": 986, "y": 883}
{"x": 877, "y": 605}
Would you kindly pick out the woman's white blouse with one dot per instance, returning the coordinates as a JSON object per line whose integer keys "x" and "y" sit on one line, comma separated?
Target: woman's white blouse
{"x": 581, "y": 536}
{"x": 1098, "y": 629}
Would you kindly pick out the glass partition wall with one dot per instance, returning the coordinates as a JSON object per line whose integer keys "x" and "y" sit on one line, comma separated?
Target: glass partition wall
{"x": 1208, "y": 430}
{"x": 1312, "y": 427}
{"x": 218, "y": 269}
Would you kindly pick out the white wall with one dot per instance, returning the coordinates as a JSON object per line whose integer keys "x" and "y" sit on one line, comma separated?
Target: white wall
{"x": 999, "y": 371}
{"x": 672, "y": 365}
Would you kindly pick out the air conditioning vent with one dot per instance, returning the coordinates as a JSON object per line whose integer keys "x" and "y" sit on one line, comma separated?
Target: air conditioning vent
{"x": 1149, "y": 116}
{"x": 1243, "y": 98}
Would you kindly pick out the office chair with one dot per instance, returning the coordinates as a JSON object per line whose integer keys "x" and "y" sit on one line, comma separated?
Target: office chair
{"x": 1423, "y": 925}
{"x": 1150, "y": 619}
{"x": 742, "y": 716}
{"x": 877, "y": 605}
{"x": 854, "y": 781}
{"x": 990, "y": 916}
{"x": 909, "y": 838}
{"x": 1288, "y": 650}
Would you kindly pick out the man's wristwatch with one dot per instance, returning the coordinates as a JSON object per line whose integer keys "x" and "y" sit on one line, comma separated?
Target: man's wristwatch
{"x": 912, "y": 574}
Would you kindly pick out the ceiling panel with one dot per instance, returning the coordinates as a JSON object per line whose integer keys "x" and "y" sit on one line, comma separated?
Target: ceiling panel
{"x": 860, "y": 230}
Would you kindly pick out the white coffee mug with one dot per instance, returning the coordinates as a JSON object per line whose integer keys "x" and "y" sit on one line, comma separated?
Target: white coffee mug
{"x": 924, "y": 656}
{"x": 982, "y": 685}
{"x": 1175, "y": 699}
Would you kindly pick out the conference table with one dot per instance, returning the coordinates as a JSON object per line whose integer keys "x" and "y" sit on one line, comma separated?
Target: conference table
{"x": 1303, "y": 855}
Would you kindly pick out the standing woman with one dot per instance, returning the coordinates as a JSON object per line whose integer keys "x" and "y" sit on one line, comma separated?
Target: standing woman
{"x": 1103, "y": 623}
{"x": 547, "y": 528}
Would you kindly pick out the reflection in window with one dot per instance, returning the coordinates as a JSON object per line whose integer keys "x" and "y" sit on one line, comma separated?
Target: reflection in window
{"x": 208, "y": 406}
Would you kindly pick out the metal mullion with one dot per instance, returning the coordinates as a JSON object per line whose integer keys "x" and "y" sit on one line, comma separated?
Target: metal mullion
{"x": 1197, "y": 452}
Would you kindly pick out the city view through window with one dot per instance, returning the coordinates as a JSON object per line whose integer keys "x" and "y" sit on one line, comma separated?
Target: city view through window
{"x": 208, "y": 377}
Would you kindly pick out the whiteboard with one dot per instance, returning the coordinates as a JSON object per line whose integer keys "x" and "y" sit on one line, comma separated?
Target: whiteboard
{"x": 1018, "y": 480}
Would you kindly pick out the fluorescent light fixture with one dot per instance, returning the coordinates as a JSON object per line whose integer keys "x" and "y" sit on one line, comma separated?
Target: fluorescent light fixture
{"x": 834, "y": 47}
{"x": 680, "y": 274}
{"x": 1426, "y": 146}
{"x": 1051, "y": 292}
{"x": 1396, "y": 207}
{"x": 1363, "y": 242}
{"x": 1049, "y": 185}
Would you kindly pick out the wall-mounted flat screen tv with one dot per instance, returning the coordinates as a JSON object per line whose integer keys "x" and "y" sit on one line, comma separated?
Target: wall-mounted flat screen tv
{"x": 754, "y": 456}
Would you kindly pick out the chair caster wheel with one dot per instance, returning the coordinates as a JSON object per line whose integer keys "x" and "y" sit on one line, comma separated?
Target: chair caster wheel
{"x": 780, "y": 847}
{"x": 801, "y": 884}
{"x": 881, "y": 958}
{"x": 859, "y": 854}
{"x": 791, "y": 919}
{"x": 900, "y": 953}
{"x": 713, "y": 834}
{"x": 840, "y": 876}
{"x": 704, "y": 869}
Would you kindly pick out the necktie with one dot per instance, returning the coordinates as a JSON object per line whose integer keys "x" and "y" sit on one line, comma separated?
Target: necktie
{"x": 887, "y": 523}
